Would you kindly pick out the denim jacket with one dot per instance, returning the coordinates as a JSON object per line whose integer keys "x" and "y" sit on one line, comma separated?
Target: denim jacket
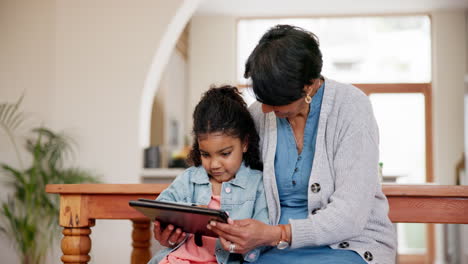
{"x": 242, "y": 197}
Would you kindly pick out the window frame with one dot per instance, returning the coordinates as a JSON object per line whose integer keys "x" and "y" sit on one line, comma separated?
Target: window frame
{"x": 422, "y": 88}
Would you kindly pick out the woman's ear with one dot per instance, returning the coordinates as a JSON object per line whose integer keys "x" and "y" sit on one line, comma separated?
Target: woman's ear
{"x": 308, "y": 88}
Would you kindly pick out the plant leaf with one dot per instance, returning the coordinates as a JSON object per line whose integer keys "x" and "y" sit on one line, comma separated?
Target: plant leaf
{"x": 10, "y": 116}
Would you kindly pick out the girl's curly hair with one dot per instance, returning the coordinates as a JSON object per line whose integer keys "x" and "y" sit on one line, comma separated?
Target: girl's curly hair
{"x": 222, "y": 109}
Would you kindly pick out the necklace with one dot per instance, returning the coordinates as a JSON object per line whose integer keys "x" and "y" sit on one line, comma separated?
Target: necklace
{"x": 295, "y": 139}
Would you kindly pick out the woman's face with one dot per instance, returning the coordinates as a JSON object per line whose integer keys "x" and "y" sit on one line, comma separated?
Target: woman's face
{"x": 287, "y": 111}
{"x": 298, "y": 107}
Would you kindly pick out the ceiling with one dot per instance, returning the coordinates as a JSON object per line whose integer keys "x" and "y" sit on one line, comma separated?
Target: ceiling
{"x": 248, "y": 8}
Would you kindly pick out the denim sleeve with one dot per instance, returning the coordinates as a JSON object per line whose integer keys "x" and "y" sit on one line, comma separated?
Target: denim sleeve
{"x": 261, "y": 209}
{"x": 178, "y": 191}
{"x": 260, "y": 213}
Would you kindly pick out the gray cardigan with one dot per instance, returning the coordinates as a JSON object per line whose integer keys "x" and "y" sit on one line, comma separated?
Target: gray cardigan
{"x": 348, "y": 209}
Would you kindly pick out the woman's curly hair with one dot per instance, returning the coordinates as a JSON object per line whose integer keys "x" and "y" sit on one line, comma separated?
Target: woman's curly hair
{"x": 222, "y": 109}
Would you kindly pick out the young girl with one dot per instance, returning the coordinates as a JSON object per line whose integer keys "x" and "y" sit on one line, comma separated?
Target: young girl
{"x": 225, "y": 175}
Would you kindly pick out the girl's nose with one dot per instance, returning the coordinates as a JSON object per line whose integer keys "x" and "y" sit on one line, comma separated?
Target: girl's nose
{"x": 215, "y": 164}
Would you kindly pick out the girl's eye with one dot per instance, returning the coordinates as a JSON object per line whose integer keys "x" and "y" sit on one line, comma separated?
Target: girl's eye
{"x": 225, "y": 154}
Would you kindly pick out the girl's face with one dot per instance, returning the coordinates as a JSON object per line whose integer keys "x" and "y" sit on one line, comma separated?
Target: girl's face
{"x": 221, "y": 155}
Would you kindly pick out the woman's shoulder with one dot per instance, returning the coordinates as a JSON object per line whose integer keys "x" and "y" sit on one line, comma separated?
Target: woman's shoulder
{"x": 346, "y": 91}
{"x": 258, "y": 117}
{"x": 255, "y": 110}
{"x": 347, "y": 98}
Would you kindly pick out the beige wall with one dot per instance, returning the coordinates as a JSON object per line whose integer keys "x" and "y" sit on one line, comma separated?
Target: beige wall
{"x": 212, "y": 57}
{"x": 449, "y": 41}
{"x": 171, "y": 106}
{"x": 26, "y": 66}
{"x": 84, "y": 66}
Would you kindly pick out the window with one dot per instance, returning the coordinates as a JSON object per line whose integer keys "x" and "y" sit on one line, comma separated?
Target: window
{"x": 390, "y": 49}
{"x": 389, "y": 59}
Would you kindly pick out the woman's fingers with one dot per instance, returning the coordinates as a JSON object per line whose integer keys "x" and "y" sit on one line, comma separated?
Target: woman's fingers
{"x": 227, "y": 231}
{"x": 246, "y": 234}
{"x": 226, "y": 244}
{"x": 225, "y": 228}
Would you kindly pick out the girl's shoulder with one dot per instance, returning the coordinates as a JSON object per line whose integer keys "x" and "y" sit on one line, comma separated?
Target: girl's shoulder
{"x": 193, "y": 174}
{"x": 250, "y": 174}
{"x": 256, "y": 173}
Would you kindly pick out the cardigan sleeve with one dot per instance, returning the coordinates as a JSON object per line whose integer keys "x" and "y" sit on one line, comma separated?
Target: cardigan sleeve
{"x": 354, "y": 165}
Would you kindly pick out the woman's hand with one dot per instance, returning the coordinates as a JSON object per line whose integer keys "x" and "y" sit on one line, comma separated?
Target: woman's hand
{"x": 246, "y": 234}
{"x": 168, "y": 237}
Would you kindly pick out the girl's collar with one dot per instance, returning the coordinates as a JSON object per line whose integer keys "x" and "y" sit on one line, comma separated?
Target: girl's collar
{"x": 242, "y": 176}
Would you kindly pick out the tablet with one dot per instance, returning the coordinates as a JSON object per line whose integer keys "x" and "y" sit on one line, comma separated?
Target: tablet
{"x": 190, "y": 219}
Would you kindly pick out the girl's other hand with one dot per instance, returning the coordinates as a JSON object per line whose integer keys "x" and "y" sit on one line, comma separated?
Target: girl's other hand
{"x": 169, "y": 236}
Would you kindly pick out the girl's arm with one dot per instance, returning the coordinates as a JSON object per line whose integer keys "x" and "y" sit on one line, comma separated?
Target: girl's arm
{"x": 178, "y": 190}
{"x": 170, "y": 236}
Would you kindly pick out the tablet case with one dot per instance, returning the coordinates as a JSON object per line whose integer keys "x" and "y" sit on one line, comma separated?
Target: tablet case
{"x": 190, "y": 219}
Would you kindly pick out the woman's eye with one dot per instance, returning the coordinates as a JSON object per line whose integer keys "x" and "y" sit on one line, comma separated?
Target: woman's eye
{"x": 205, "y": 155}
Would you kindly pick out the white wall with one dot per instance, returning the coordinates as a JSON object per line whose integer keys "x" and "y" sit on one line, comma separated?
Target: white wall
{"x": 212, "y": 57}
{"x": 84, "y": 66}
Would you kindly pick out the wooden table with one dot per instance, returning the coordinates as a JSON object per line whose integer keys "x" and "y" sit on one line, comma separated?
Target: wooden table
{"x": 82, "y": 204}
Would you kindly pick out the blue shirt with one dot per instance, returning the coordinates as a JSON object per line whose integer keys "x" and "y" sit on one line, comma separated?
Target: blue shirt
{"x": 292, "y": 169}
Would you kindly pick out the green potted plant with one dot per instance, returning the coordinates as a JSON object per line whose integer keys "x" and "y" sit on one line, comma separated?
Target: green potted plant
{"x": 29, "y": 216}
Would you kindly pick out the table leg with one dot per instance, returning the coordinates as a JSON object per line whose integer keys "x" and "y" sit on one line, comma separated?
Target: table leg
{"x": 76, "y": 245}
{"x": 141, "y": 236}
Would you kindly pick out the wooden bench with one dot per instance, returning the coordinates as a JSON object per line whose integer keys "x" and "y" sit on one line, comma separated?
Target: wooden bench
{"x": 82, "y": 204}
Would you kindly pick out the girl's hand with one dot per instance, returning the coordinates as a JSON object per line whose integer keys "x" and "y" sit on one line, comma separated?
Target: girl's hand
{"x": 246, "y": 234}
{"x": 168, "y": 237}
